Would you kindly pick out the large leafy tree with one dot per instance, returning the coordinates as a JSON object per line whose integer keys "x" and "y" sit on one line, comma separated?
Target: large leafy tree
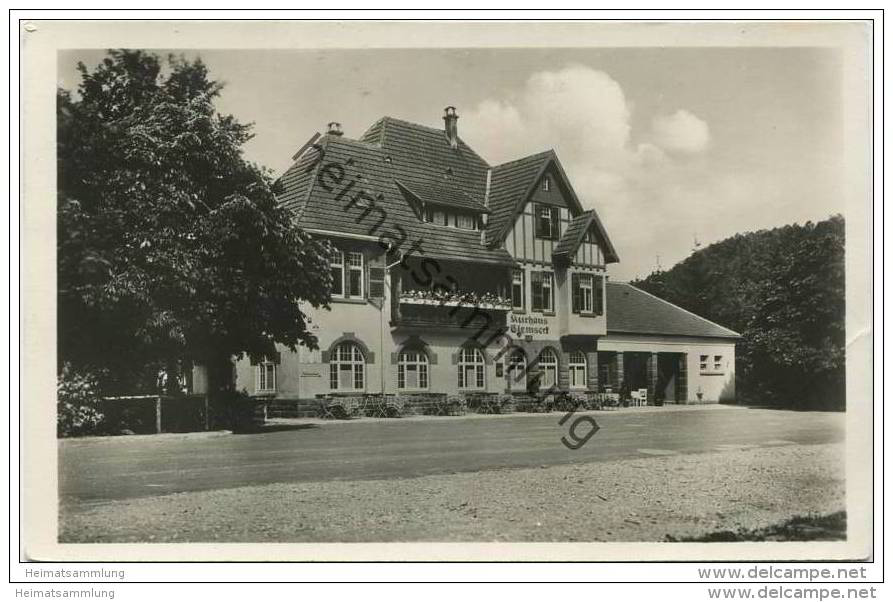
{"x": 171, "y": 246}
{"x": 783, "y": 290}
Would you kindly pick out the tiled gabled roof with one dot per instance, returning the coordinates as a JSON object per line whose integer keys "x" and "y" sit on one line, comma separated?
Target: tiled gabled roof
{"x": 631, "y": 310}
{"x": 422, "y": 155}
{"x": 510, "y": 182}
{"x": 394, "y": 153}
{"x": 511, "y": 185}
{"x": 297, "y": 180}
{"x": 373, "y": 165}
{"x": 577, "y": 227}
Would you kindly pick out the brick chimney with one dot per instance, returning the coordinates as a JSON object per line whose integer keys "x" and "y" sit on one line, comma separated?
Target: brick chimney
{"x": 334, "y": 129}
{"x": 451, "y": 127}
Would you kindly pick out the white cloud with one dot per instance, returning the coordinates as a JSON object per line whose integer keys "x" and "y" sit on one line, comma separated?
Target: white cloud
{"x": 576, "y": 110}
{"x": 681, "y": 132}
{"x": 650, "y": 201}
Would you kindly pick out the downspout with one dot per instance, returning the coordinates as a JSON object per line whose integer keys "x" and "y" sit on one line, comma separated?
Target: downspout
{"x": 384, "y": 303}
{"x": 485, "y": 218}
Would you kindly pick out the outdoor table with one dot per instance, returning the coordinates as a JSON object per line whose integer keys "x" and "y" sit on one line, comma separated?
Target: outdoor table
{"x": 376, "y": 406}
{"x": 447, "y": 406}
{"x": 339, "y": 408}
{"x": 490, "y": 404}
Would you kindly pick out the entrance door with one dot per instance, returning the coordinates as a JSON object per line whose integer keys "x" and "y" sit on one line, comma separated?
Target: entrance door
{"x": 671, "y": 376}
{"x": 682, "y": 379}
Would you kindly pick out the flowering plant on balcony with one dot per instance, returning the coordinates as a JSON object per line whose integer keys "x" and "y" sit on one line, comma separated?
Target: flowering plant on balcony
{"x": 456, "y": 298}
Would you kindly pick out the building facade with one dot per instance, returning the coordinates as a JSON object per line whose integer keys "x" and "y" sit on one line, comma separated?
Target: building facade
{"x": 454, "y": 276}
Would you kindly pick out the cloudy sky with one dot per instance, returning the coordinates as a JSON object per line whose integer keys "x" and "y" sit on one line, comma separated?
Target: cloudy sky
{"x": 668, "y": 145}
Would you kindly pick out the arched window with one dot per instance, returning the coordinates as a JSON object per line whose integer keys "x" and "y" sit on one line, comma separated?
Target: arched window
{"x": 471, "y": 368}
{"x": 516, "y": 374}
{"x": 412, "y": 370}
{"x": 347, "y": 368}
{"x": 548, "y": 364}
{"x": 576, "y": 368}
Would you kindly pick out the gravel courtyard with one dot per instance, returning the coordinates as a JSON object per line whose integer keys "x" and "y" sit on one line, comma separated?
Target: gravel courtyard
{"x": 642, "y": 499}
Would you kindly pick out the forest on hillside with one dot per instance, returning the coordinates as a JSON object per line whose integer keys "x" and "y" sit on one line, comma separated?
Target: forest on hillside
{"x": 783, "y": 290}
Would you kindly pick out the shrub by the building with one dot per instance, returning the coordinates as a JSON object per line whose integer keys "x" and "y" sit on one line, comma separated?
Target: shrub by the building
{"x": 78, "y": 405}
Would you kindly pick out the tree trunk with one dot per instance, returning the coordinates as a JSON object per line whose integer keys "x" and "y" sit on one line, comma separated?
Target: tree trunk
{"x": 220, "y": 388}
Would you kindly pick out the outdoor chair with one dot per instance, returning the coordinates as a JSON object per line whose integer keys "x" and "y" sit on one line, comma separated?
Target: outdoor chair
{"x": 572, "y": 402}
{"x": 451, "y": 405}
{"x": 609, "y": 401}
{"x": 393, "y": 406}
{"x": 592, "y": 400}
{"x": 506, "y": 404}
{"x": 434, "y": 403}
{"x": 486, "y": 403}
{"x": 547, "y": 403}
{"x": 524, "y": 402}
{"x": 339, "y": 408}
{"x": 374, "y": 405}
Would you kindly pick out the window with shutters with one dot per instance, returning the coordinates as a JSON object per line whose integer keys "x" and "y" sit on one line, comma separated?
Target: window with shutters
{"x": 518, "y": 290}
{"x": 598, "y": 294}
{"x": 471, "y": 368}
{"x": 376, "y": 282}
{"x": 347, "y": 368}
{"x": 412, "y": 371}
{"x": 547, "y": 219}
{"x": 541, "y": 292}
{"x": 582, "y": 294}
{"x": 576, "y": 369}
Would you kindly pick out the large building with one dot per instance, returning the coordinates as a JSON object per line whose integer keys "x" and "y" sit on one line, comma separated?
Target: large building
{"x": 452, "y": 275}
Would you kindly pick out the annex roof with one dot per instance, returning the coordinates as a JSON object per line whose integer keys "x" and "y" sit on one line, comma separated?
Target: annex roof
{"x": 631, "y": 310}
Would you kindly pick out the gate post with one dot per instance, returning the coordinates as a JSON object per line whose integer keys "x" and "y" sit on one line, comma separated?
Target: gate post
{"x": 618, "y": 364}
{"x": 651, "y": 377}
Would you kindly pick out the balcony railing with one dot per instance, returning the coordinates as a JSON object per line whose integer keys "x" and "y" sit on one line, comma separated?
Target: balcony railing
{"x": 486, "y": 301}
{"x": 450, "y": 311}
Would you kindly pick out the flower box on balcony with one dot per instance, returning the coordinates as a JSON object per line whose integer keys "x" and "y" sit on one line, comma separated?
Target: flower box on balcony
{"x": 407, "y": 300}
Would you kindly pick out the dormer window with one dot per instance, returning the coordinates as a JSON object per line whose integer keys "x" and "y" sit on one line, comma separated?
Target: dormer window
{"x": 465, "y": 221}
{"x": 437, "y": 217}
{"x": 440, "y": 217}
{"x": 547, "y": 184}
